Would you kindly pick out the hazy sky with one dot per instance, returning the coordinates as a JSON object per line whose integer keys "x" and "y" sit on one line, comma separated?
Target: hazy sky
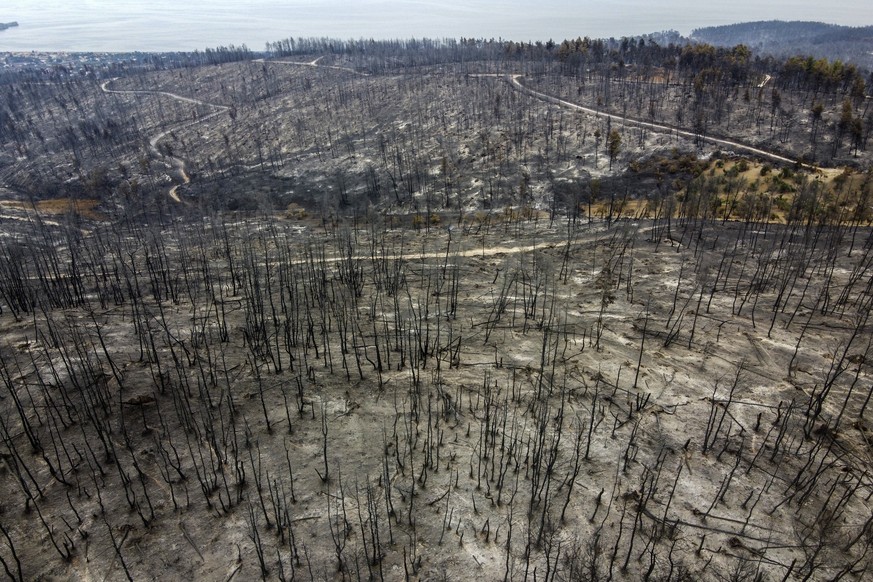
{"x": 189, "y": 24}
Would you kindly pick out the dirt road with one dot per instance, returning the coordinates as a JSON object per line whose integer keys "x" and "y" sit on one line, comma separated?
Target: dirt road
{"x": 169, "y": 159}
{"x": 630, "y": 121}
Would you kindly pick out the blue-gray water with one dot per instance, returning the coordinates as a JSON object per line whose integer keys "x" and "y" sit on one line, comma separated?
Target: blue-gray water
{"x": 159, "y": 25}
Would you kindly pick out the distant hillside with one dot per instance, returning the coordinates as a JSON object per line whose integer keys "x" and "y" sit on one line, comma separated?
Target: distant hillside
{"x": 780, "y": 38}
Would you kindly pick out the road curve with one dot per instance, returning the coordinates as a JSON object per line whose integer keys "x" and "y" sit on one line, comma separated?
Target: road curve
{"x": 171, "y": 160}
{"x": 313, "y": 63}
{"x": 656, "y": 127}
{"x": 177, "y": 162}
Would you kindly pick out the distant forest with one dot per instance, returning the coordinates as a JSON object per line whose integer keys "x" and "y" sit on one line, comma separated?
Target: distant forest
{"x": 780, "y": 38}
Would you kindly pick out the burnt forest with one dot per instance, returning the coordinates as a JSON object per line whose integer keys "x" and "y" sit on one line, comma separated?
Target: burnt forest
{"x": 578, "y": 310}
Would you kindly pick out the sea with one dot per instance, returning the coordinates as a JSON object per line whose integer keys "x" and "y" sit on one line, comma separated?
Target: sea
{"x": 169, "y": 25}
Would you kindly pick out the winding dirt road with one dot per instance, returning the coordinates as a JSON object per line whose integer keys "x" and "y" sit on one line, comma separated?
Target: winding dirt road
{"x": 169, "y": 159}
{"x": 515, "y": 81}
{"x": 177, "y": 162}
{"x": 656, "y": 127}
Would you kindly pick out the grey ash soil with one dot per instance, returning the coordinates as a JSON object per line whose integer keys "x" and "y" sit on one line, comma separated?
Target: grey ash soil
{"x": 286, "y": 320}
{"x": 622, "y": 370}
